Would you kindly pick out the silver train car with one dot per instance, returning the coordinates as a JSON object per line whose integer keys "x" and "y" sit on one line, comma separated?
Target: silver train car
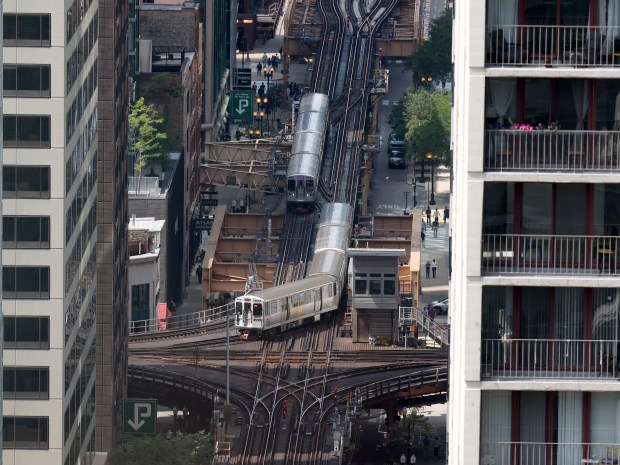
{"x": 292, "y": 304}
{"x": 304, "y": 167}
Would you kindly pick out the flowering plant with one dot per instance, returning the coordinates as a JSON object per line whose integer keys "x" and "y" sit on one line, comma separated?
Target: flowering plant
{"x": 522, "y": 127}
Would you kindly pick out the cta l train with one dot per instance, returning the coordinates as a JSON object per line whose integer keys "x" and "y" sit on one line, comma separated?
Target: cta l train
{"x": 292, "y": 304}
{"x": 304, "y": 167}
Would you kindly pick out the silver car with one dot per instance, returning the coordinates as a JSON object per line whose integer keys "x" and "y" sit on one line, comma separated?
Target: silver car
{"x": 440, "y": 306}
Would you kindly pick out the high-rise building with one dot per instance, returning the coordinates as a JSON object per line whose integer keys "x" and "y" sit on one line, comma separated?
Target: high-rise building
{"x": 64, "y": 228}
{"x": 534, "y": 366}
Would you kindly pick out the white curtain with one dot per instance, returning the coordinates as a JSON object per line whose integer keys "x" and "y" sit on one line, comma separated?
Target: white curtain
{"x": 605, "y": 426}
{"x": 580, "y": 100}
{"x": 502, "y": 93}
{"x": 533, "y": 428}
{"x": 613, "y": 20}
{"x": 495, "y": 427}
{"x": 502, "y": 13}
{"x": 570, "y": 437}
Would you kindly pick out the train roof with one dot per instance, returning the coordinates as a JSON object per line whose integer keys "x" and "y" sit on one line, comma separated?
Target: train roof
{"x": 336, "y": 213}
{"x": 294, "y": 287}
{"x": 307, "y": 142}
{"x": 303, "y": 164}
{"x": 314, "y": 102}
{"x": 311, "y": 121}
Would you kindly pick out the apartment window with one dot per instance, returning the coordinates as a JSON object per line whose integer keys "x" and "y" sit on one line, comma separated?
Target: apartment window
{"x": 26, "y": 232}
{"x": 26, "y": 81}
{"x": 26, "y": 30}
{"x": 140, "y": 302}
{"x": 26, "y": 182}
{"x": 26, "y": 332}
{"x": 25, "y": 282}
{"x": 26, "y": 383}
{"x": 25, "y": 433}
{"x": 31, "y": 131}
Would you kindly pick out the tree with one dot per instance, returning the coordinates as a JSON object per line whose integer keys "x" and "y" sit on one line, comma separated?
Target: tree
{"x": 407, "y": 436}
{"x": 434, "y": 57}
{"x": 145, "y": 136}
{"x": 422, "y": 118}
{"x": 181, "y": 449}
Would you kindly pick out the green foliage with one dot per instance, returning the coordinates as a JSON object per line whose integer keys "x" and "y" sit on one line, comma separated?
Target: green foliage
{"x": 422, "y": 118}
{"x": 145, "y": 136}
{"x": 407, "y": 435}
{"x": 182, "y": 449}
{"x": 434, "y": 57}
{"x": 158, "y": 86}
{"x": 274, "y": 96}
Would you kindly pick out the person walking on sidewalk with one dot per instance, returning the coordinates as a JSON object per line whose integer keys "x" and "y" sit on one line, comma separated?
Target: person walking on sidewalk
{"x": 259, "y": 68}
{"x": 435, "y": 228}
{"x": 428, "y": 215}
{"x": 436, "y": 215}
{"x": 446, "y": 214}
{"x": 428, "y": 269}
{"x": 434, "y": 268}
{"x": 436, "y": 445}
{"x": 423, "y": 236}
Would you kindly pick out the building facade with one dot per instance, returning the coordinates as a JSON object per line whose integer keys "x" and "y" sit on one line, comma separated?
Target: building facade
{"x": 112, "y": 221}
{"x": 49, "y": 206}
{"x": 535, "y": 231}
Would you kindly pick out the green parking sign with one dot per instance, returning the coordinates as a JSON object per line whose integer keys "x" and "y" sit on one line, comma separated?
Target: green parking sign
{"x": 139, "y": 416}
{"x": 241, "y": 106}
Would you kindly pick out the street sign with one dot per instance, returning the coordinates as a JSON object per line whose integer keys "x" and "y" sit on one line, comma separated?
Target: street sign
{"x": 208, "y": 202}
{"x": 204, "y": 224}
{"x": 241, "y": 106}
{"x": 243, "y": 78}
{"x": 139, "y": 416}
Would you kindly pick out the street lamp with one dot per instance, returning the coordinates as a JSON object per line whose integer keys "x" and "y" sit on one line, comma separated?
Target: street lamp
{"x": 431, "y": 159}
{"x": 403, "y": 459}
{"x": 268, "y": 73}
{"x": 427, "y": 80}
{"x": 262, "y": 105}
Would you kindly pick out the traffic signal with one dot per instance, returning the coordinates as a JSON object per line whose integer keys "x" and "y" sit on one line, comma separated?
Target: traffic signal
{"x": 348, "y": 21}
{"x": 284, "y": 409}
{"x": 335, "y": 394}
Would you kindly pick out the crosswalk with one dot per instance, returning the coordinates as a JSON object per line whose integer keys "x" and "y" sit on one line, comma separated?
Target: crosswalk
{"x": 439, "y": 242}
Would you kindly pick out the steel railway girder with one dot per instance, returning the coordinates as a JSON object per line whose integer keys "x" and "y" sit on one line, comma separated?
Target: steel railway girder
{"x": 243, "y": 164}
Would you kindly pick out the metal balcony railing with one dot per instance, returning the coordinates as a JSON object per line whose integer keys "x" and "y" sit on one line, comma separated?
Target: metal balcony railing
{"x": 414, "y": 315}
{"x": 546, "y": 254}
{"x": 542, "y": 45}
{"x": 180, "y": 323}
{"x": 549, "y": 358}
{"x": 552, "y": 150}
{"x": 548, "y": 453}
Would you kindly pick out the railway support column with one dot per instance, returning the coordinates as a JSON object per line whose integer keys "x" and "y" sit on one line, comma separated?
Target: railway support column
{"x": 391, "y": 411}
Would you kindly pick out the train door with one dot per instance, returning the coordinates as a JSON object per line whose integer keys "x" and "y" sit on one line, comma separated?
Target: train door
{"x": 310, "y": 189}
{"x": 300, "y": 191}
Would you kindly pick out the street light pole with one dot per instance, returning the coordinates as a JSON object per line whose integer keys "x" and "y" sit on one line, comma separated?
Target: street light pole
{"x": 432, "y": 201}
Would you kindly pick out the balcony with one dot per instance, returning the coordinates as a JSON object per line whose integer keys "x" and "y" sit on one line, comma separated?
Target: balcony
{"x": 551, "y": 45}
{"x": 548, "y": 453}
{"x": 549, "y": 254}
{"x": 552, "y": 150}
{"x": 549, "y": 358}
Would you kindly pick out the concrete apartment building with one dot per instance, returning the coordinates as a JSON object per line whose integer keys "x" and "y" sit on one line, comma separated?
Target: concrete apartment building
{"x": 534, "y": 373}
{"x": 64, "y": 228}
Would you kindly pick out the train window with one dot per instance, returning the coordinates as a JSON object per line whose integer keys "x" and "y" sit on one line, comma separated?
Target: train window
{"x": 389, "y": 287}
{"x": 329, "y": 290}
{"x": 307, "y": 298}
{"x": 267, "y": 308}
{"x": 334, "y": 285}
{"x": 300, "y": 184}
{"x": 247, "y": 307}
{"x": 310, "y": 185}
{"x": 238, "y": 307}
{"x": 291, "y": 185}
{"x": 257, "y": 310}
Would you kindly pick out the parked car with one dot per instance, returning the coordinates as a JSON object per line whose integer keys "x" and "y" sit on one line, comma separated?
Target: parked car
{"x": 440, "y": 306}
{"x": 396, "y": 160}
{"x": 395, "y": 143}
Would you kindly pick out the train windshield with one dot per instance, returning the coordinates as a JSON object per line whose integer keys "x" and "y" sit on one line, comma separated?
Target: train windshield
{"x": 310, "y": 185}
{"x": 291, "y": 185}
{"x": 238, "y": 308}
{"x": 257, "y": 310}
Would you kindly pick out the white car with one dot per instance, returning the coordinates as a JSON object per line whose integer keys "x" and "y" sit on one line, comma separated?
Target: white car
{"x": 440, "y": 306}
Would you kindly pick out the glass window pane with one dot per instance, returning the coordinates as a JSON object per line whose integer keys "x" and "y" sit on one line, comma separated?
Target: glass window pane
{"x": 29, "y": 77}
{"x": 45, "y": 231}
{"x": 9, "y": 79}
{"x": 9, "y": 328}
{"x": 44, "y": 330}
{"x": 9, "y": 24}
{"x": 29, "y": 128}
{"x": 360, "y": 287}
{"x": 8, "y": 279}
{"x": 8, "y": 229}
{"x": 8, "y": 181}
{"x": 389, "y": 287}
{"x": 9, "y": 126}
{"x": 29, "y": 27}
{"x": 27, "y": 279}
{"x": 26, "y": 432}
{"x": 28, "y": 229}
{"x": 8, "y": 381}
{"x": 27, "y": 380}
{"x": 8, "y": 431}
{"x": 375, "y": 287}
{"x": 27, "y": 330}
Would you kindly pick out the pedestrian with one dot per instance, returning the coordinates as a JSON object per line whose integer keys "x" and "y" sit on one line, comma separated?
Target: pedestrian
{"x": 428, "y": 269}
{"x": 259, "y": 68}
{"x": 254, "y": 88}
{"x": 446, "y": 214}
{"x": 238, "y": 135}
{"x": 437, "y": 215}
{"x": 423, "y": 225}
{"x": 261, "y": 90}
{"x": 435, "y": 228}
{"x": 431, "y": 313}
{"x": 434, "y": 268}
{"x": 268, "y": 63}
{"x": 264, "y": 58}
{"x": 428, "y": 215}
{"x": 175, "y": 412}
{"x": 436, "y": 445}
{"x": 274, "y": 62}
{"x": 423, "y": 236}
{"x": 199, "y": 274}
{"x": 427, "y": 443}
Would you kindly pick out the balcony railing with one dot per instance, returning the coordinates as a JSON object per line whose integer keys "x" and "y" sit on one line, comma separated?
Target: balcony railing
{"x": 549, "y": 453}
{"x": 549, "y": 358}
{"x": 546, "y": 254}
{"x": 550, "y": 150}
{"x": 523, "y": 45}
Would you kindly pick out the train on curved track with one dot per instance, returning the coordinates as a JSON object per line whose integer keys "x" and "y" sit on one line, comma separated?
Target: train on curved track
{"x": 304, "y": 167}
{"x": 289, "y": 305}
